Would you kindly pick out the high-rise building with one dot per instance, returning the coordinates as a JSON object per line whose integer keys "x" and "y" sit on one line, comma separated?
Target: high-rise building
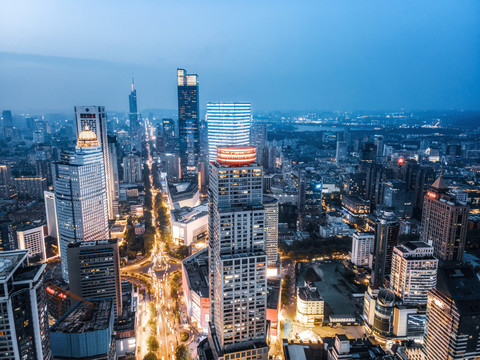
{"x": 341, "y": 153}
{"x": 188, "y": 120}
{"x": 51, "y": 213}
{"x": 94, "y": 270}
{"x": 114, "y": 181}
{"x": 80, "y": 195}
{"x": 362, "y": 246}
{"x": 258, "y": 138}
{"x": 414, "y": 272}
{"x": 228, "y": 124}
{"x": 31, "y": 237}
{"x": 94, "y": 118}
{"x": 23, "y": 308}
{"x": 238, "y": 262}
{"x": 132, "y": 169}
{"x": 398, "y": 198}
{"x": 5, "y": 182}
{"x": 271, "y": 229}
{"x": 387, "y": 229}
{"x": 134, "y": 119}
{"x": 444, "y": 222}
{"x": 30, "y": 187}
{"x": 8, "y": 235}
{"x": 7, "y": 118}
{"x": 453, "y": 315}
{"x": 168, "y": 135}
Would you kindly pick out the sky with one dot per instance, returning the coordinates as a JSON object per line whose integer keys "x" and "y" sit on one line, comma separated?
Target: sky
{"x": 341, "y": 55}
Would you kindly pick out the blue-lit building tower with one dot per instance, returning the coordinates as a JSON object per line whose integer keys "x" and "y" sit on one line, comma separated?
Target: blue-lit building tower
{"x": 188, "y": 121}
{"x": 134, "y": 119}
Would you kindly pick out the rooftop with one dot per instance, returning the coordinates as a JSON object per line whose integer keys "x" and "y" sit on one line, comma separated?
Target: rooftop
{"x": 83, "y": 317}
{"x": 273, "y": 293}
{"x": 186, "y": 214}
{"x": 9, "y": 261}
{"x": 196, "y": 267}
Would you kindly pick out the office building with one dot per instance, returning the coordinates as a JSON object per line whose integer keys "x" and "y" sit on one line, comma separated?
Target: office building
{"x": 188, "y": 120}
{"x": 94, "y": 118}
{"x": 23, "y": 308}
{"x": 342, "y": 152}
{"x": 132, "y": 169}
{"x": 51, "y": 213}
{"x": 453, "y": 315}
{"x": 398, "y": 198}
{"x": 414, "y": 272}
{"x": 238, "y": 268}
{"x": 80, "y": 195}
{"x": 85, "y": 332}
{"x": 94, "y": 270}
{"x": 168, "y": 135}
{"x": 444, "y": 222}
{"x": 271, "y": 229}
{"x": 228, "y": 125}
{"x": 30, "y": 187}
{"x": 258, "y": 138}
{"x": 114, "y": 180}
{"x": 387, "y": 229}
{"x": 133, "y": 116}
{"x": 362, "y": 247}
{"x": 31, "y": 237}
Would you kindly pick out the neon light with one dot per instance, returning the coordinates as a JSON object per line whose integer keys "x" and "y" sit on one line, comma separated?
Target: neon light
{"x": 401, "y": 161}
{"x": 431, "y": 195}
{"x": 236, "y": 155}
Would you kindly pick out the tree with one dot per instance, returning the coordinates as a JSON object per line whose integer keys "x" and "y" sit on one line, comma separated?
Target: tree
{"x": 152, "y": 344}
{"x": 150, "y": 356}
{"x": 182, "y": 353}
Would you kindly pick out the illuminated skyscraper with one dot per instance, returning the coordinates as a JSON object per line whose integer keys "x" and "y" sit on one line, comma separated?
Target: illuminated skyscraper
{"x": 188, "y": 120}
{"x": 135, "y": 135}
{"x": 80, "y": 195}
{"x": 444, "y": 222}
{"x": 271, "y": 229}
{"x": 228, "y": 124}
{"x": 95, "y": 119}
{"x": 238, "y": 262}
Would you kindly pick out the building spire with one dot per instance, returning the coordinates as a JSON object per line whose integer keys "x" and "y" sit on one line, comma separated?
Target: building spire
{"x": 133, "y": 83}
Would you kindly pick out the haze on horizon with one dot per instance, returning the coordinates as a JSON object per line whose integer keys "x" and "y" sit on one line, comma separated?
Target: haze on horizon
{"x": 279, "y": 55}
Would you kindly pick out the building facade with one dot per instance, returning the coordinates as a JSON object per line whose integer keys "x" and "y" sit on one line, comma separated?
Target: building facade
{"x": 228, "y": 125}
{"x": 271, "y": 229}
{"x": 414, "y": 272}
{"x": 94, "y": 118}
{"x": 80, "y": 195}
{"x": 188, "y": 120}
{"x": 444, "y": 222}
{"x": 30, "y": 187}
{"x": 23, "y": 308}
{"x": 132, "y": 169}
{"x": 362, "y": 247}
{"x": 51, "y": 213}
{"x": 32, "y": 238}
{"x": 238, "y": 262}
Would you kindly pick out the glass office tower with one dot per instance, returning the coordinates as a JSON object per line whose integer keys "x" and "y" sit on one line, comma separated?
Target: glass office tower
{"x": 228, "y": 124}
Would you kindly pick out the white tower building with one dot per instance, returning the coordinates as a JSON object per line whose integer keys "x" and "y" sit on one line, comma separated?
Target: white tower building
{"x": 238, "y": 275}
{"x": 51, "y": 212}
{"x": 414, "y": 272}
{"x": 80, "y": 195}
{"x": 95, "y": 119}
{"x": 228, "y": 125}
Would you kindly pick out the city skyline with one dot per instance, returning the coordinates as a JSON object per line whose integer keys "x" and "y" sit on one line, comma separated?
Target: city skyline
{"x": 405, "y": 55}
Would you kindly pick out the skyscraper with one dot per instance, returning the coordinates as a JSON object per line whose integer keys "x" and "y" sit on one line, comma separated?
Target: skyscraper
{"x": 414, "y": 272}
{"x": 51, "y": 213}
{"x": 80, "y": 194}
{"x": 238, "y": 262}
{"x": 386, "y": 238}
{"x": 6, "y": 188}
{"x": 228, "y": 124}
{"x": 188, "y": 120}
{"x": 94, "y": 270}
{"x": 114, "y": 181}
{"x": 168, "y": 135}
{"x": 444, "y": 222}
{"x": 271, "y": 229}
{"x": 134, "y": 119}
{"x": 94, "y": 117}
{"x": 453, "y": 315}
{"x": 132, "y": 169}
{"x": 7, "y": 118}
{"x": 258, "y": 138}
{"x": 23, "y": 308}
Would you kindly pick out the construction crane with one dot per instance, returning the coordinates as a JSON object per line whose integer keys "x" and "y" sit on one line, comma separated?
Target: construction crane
{"x": 66, "y": 293}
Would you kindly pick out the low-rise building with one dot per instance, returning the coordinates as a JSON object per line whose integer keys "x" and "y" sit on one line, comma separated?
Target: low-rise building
{"x": 85, "y": 332}
{"x": 183, "y": 194}
{"x": 189, "y": 224}
{"x": 273, "y": 305}
{"x": 310, "y": 305}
